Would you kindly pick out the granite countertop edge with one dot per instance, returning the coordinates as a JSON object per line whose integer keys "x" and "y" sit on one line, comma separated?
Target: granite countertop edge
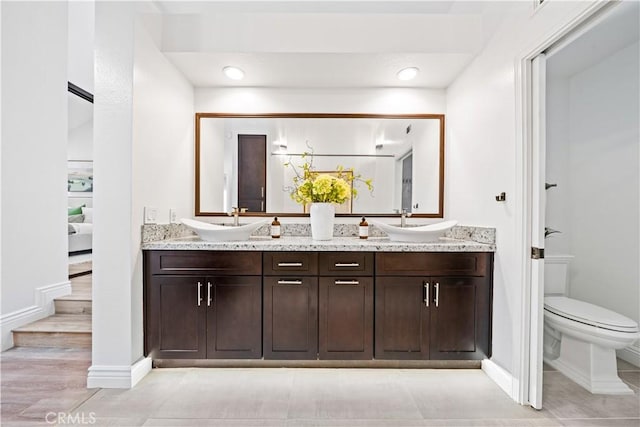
{"x": 286, "y": 243}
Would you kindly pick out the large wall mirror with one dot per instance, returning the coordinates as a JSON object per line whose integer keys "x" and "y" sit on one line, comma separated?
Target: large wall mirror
{"x": 241, "y": 161}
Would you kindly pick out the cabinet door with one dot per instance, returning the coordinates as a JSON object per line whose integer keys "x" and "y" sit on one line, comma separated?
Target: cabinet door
{"x": 176, "y": 318}
{"x": 346, "y": 318}
{"x": 402, "y": 318}
{"x": 234, "y": 315}
{"x": 290, "y": 317}
{"x": 458, "y": 319}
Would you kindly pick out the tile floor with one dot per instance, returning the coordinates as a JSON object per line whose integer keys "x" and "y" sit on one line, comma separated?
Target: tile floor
{"x": 36, "y": 382}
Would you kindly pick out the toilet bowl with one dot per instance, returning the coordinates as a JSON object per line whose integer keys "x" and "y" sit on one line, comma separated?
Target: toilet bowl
{"x": 580, "y": 339}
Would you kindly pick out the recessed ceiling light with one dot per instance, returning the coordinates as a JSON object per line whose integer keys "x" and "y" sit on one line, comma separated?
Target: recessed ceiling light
{"x": 233, "y": 73}
{"x": 408, "y": 73}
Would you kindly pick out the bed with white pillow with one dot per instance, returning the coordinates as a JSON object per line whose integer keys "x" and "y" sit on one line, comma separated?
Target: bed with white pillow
{"x": 81, "y": 229}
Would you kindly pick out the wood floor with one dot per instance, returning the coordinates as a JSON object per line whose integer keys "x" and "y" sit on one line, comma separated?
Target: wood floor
{"x": 36, "y": 381}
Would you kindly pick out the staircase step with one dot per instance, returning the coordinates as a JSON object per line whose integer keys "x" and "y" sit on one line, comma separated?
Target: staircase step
{"x": 72, "y": 306}
{"x": 59, "y": 330}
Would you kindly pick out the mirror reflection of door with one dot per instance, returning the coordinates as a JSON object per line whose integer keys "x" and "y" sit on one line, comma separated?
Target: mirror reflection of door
{"x": 252, "y": 172}
{"x": 407, "y": 182}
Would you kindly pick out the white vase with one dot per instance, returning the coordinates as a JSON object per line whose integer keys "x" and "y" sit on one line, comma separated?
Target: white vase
{"x": 322, "y": 217}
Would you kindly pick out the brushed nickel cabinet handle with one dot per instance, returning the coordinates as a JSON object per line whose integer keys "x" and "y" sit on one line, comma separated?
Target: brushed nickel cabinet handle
{"x": 437, "y": 293}
{"x": 347, "y": 282}
{"x": 208, "y": 294}
{"x": 199, "y": 293}
{"x": 289, "y": 264}
{"x": 289, "y": 282}
{"x": 426, "y": 294}
{"x": 347, "y": 264}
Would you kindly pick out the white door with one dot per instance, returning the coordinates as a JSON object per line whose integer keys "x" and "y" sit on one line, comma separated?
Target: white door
{"x": 538, "y": 112}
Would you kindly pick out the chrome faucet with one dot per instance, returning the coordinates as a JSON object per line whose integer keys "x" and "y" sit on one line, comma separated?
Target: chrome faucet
{"x": 236, "y": 215}
{"x": 403, "y": 217}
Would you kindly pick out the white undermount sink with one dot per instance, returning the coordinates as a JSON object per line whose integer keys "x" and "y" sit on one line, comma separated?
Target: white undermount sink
{"x": 222, "y": 233}
{"x": 423, "y": 233}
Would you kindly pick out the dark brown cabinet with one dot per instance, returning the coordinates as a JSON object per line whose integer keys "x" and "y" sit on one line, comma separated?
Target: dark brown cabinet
{"x": 317, "y": 305}
{"x": 345, "y": 329}
{"x": 346, "y": 318}
{"x": 175, "y": 326}
{"x": 402, "y": 319}
{"x": 290, "y": 305}
{"x": 290, "y": 317}
{"x": 421, "y": 315}
{"x": 193, "y": 316}
{"x": 234, "y": 317}
{"x": 460, "y": 318}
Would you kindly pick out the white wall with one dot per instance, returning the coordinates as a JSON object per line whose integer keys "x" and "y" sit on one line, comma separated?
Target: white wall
{"x": 603, "y": 182}
{"x": 263, "y": 100}
{"x": 482, "y": 156}
{"x": 80, "y": 42}
{"x": 143, "y": 147}
{"x": 34, "y": 162}
{"x": 162, "y": 148}
{"x": 80, "y": 142}
{"x": 557, "y": 165}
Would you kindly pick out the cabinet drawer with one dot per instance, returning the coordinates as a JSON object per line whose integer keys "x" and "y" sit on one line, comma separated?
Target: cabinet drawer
{"x": 205, "y": 262}
{"x": 337, "y": 263}
{"x": 298, "y": 263}
{"x": 432, "y": 263}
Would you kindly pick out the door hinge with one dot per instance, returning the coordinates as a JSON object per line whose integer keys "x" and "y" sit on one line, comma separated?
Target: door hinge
{"x": 537, "y": 253}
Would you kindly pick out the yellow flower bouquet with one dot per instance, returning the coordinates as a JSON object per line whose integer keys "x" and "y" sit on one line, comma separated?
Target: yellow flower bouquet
{"x": 336, "y": 187}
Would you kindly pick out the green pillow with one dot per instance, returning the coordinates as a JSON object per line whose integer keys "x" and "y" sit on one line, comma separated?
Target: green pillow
{"x": 76, "y": 211}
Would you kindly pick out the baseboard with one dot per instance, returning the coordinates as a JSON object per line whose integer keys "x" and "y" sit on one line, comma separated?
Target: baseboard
{"x": 118, "y": 376}
{"x": 630, "y": 354}
{"x": 499, "y": 376}
{"x": 43, "y": 307}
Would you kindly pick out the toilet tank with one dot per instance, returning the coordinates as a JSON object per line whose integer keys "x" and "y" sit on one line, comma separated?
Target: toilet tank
{"x": 556, "y": 274}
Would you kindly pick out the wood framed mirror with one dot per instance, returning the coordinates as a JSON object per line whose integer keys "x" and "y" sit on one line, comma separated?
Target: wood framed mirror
{"x": 240, "y": 160}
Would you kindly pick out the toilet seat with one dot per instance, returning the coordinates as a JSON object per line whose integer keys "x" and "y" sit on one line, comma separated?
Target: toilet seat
{"x": 589, "y": 314}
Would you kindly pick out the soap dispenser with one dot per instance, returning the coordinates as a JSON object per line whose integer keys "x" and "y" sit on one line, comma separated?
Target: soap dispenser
{"x": 363, "y": 229}
{"x": 275, "y": 228}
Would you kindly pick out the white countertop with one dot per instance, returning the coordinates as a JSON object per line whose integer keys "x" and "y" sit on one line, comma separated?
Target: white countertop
{"x": 290, "y": 243}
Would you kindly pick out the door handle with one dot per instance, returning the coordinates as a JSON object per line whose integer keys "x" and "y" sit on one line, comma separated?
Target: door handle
{"x": 208, "y": 294}
{"x": 199, "y": 293}
{"x": 437, "y": 293}
{"x": 425, "y": 294}
{"x": 289, "y": 264}
{"x": 347, "y": 264}
{"x": 262, "y": 192}
{"x": 290, "y": 282}
{"x": 347, "y": 282}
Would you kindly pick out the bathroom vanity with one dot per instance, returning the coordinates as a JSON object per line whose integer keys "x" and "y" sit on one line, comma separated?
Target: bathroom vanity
{"x": 300, "y": 300}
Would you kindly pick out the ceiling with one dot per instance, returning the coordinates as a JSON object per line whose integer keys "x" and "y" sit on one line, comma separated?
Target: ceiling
{"x": 323, "y": 44}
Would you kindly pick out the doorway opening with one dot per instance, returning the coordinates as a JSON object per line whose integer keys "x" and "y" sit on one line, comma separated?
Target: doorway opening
{"x": 584, "y": 152}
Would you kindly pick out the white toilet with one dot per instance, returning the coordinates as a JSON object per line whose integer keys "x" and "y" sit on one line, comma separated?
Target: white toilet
{"x": 581, "y": 339}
